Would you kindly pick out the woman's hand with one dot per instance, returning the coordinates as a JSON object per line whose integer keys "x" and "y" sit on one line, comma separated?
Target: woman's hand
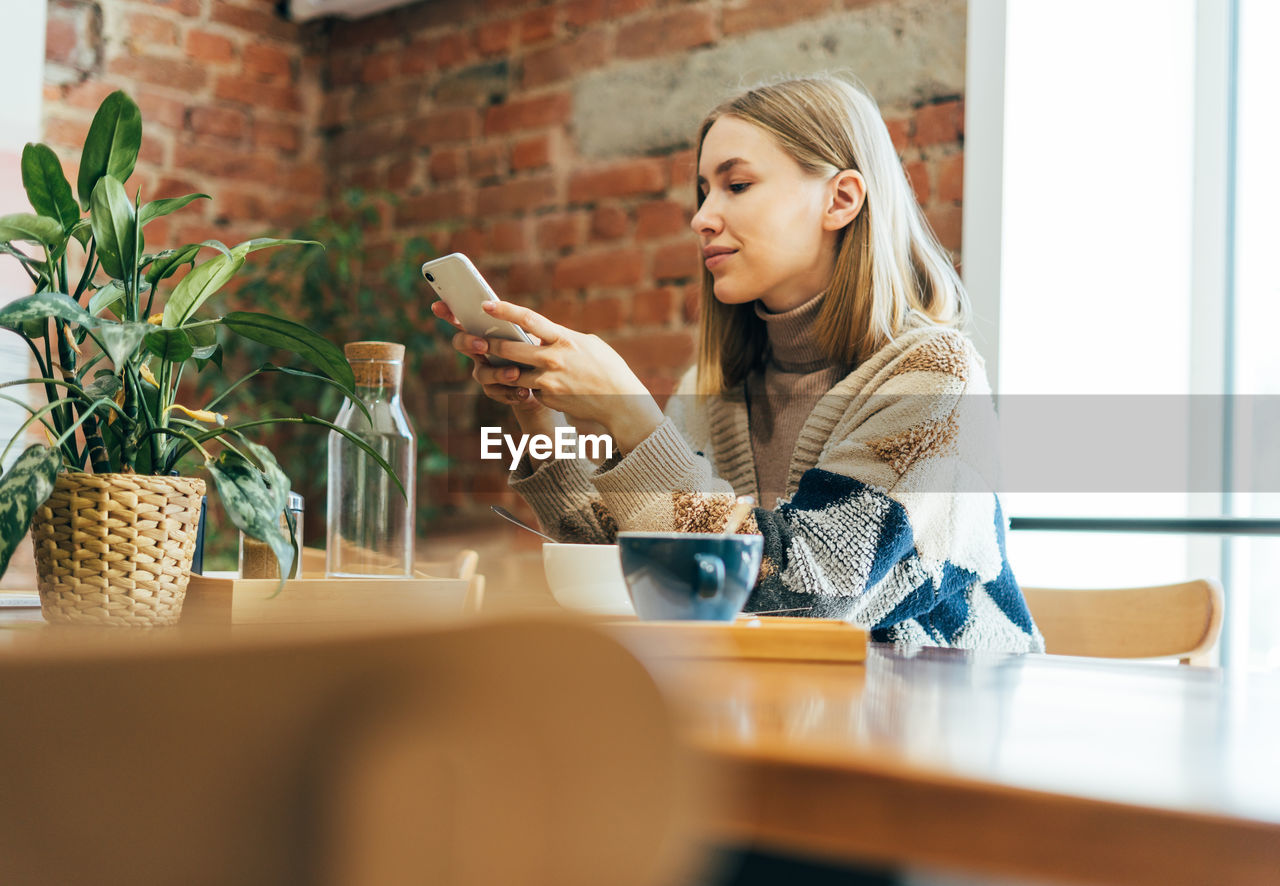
{"x": 572, "y": 372}
{"x": 532, "y": 416}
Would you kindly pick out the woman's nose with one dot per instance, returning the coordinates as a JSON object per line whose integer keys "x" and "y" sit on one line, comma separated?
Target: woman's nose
{"x": 706, "y": 220}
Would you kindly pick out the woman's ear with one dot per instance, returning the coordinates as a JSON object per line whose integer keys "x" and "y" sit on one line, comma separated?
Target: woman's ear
{"x": 846, "y": 192}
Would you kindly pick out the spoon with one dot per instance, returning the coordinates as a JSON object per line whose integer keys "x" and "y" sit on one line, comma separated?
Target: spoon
{"x": 507, "y": 515}
{"x": 741, "y": 508}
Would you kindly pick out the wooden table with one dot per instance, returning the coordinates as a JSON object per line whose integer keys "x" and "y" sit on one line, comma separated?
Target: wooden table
{"x": 1077, "y": 770}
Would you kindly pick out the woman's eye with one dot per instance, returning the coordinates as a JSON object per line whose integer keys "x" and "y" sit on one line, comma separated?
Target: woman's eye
{"x": 739, "y": 187}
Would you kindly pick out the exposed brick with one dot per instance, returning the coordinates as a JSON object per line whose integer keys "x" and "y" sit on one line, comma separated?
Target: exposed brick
{"x": 946, "y": 222}
{"x": 454, "y": 49}
{"x": 653, "y": 307}
{"x": 496, "y": 37}
{"x": 485, "y": 161}
{"x": 666, "y": 32}
{"x": 184, "y": 8}
{"x": 379, "y": 67}
{"x": 239, "y": 203}
{"x": 367, "y": 143}
{"x": 566, "y": 311}
{"x": 951, "y": 178}
{"x": 508, "y": 236}
{"x": 580, "y": 13}
{"x": 401, "y": 173}
{"x": 222, "y": 122}
{"x": 417, "y": 58}
{"x": 618, "y": 8}
{"x": 249, "y": 92}
{"x": 899, "y": 132}
{"x": 684, "y": 170}
{"x": 623, "y": 179}
{"x": 655, "y": 350}
{"x": 563, "y": 60}
{"x": 159, "y": 110}
{"x": 398, "y": 99}
{"x": 528, "y": 113}
{"x": 172, "y": 72}
{"x": 428, "y": 208}
{"x": 285, "y": 136}
{"x": 756, "y": 15}
{"x": 918, "y": 175}
{"x": 537, "y": 25}
{"x": 469, "y": 241}
{"x": 613, "y": 267}
{"x": 528, "y": 277}
{"x": 207, "y": 48}
{"x": 609, "y": 223}
{"x": 445, "y": 164}
{"x": 676, "y": 261}
{"x": 453, "y": 124}
{"x": 86, "y": 95}
{"x": 661, "y": 218}
{"x": 515, "y": 196}
{"x": 266, "y": 62}
{"x": 532, "y": 153}
{"x": 556, "y": 232}
{"x": 940, "y": 123}
{"x": 260, "y": 20}
{"x": 206, "y": 160}
{"x": 153, "y": 30}
{"x": 602, "y": 314}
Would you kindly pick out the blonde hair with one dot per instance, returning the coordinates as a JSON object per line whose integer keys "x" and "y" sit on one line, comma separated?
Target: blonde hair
{"x": 888, "y": 262}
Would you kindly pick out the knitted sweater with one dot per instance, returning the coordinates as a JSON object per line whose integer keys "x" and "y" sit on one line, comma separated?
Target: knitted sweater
{"x": 891, "y": 521}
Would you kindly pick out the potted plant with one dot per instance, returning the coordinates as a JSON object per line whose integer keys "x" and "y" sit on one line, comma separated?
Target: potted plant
{"x": 112, "y": 522}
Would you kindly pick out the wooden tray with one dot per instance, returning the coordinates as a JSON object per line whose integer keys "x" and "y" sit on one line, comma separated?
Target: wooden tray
{"x": 227, "y": 600}
{"x": 758, "y": 637}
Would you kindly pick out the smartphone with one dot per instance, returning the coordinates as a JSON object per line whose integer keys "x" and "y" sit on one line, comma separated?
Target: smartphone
{"x": 459, "y": 285}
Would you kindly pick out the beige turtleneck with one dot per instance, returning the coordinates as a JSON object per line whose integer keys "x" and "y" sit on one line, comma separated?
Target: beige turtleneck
{"x": 781, "y": 395}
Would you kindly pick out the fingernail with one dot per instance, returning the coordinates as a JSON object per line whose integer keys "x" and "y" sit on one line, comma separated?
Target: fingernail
{"x": 480, "y": 346}
{"x": 489, "y": 306}
{"x": 511, "y": 373}
{"x": 523, "y": 394}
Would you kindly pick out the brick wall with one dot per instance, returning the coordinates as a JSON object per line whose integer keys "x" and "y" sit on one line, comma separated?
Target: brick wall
{"x": 229, "y": 94}
{"x": 550, "y": 141}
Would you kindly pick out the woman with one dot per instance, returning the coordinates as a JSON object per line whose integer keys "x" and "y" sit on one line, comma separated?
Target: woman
{"x": 832, "y": 379}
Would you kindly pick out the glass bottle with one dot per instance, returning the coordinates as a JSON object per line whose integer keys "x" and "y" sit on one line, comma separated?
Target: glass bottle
{"x": 370, "y": 524}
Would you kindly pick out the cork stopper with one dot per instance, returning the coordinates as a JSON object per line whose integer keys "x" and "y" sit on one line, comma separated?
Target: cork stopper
{"x": 373, "y": 350}
{"x": 376, "y": 364}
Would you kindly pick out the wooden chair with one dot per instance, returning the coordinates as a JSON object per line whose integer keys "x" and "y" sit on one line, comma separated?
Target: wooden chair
{"x": 1167, "y": 621}
{"x": 529, "y": 753}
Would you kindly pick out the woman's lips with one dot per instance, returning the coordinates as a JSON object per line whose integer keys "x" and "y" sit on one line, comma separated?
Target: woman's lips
{"x": 714, "y": 261}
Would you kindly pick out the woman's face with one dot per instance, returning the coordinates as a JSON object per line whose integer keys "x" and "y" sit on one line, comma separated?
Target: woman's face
{"x": 760, "y": 225}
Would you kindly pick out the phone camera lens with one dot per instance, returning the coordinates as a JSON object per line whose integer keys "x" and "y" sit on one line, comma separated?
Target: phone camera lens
{"x": 430, "y": 279}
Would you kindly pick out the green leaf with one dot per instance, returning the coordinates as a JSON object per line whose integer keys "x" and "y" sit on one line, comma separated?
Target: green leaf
{"x": 215, "y": 358}
{"x": 277, "y": 332}
{"x": 157, "y": 208}
{"x": 192, "y": 290}
{"x": 107, "y": 298}
{"x": 24, "y": 488}
{"x": 121, "y": 340}
{"x": 41, "y": 307}
{"x": 257, "y": 243}
{"x": 47, "y": 187}
{"x": 82, "y": 231}
{"x": 104, "y": 386}
{"x": 111, "y": 147}
{"x": 35, "y": 228}
{"x": 172, "y": 345}
{"x": 112, "y": 217}
{"x": 251, "y": 503}
{"x": 164, "y": 264}
{"x": 204, "y": 341}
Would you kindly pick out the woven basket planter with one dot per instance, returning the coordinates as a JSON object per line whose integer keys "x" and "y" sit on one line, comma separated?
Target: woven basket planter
{"x": 115, "y": 549}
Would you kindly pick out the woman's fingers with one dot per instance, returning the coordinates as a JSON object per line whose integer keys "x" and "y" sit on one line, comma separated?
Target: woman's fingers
{"x": 530, "y": 321}
{"x": 441, "y": 310}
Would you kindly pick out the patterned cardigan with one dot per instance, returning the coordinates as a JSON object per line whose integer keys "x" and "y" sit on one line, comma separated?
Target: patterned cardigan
{"x": 890, "y": 519}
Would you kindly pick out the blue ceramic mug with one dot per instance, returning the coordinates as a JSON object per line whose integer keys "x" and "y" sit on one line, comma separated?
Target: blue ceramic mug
{"x": 689, "y": 575}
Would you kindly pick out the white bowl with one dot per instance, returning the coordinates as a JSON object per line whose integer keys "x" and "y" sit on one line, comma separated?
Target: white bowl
{"x": 587, "y": 578}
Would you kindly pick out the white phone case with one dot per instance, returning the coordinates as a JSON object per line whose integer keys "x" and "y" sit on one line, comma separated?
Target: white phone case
{"x": 459, "y": 285}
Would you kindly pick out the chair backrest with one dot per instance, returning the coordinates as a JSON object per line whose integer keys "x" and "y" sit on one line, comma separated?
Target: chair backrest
{"x": 516, "y": 753}
{"x": 1167, "y": 621}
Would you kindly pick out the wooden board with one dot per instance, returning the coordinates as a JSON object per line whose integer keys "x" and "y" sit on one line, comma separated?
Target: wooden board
{"x": 760, "y": 637}
{"x": 227, "y": 600}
